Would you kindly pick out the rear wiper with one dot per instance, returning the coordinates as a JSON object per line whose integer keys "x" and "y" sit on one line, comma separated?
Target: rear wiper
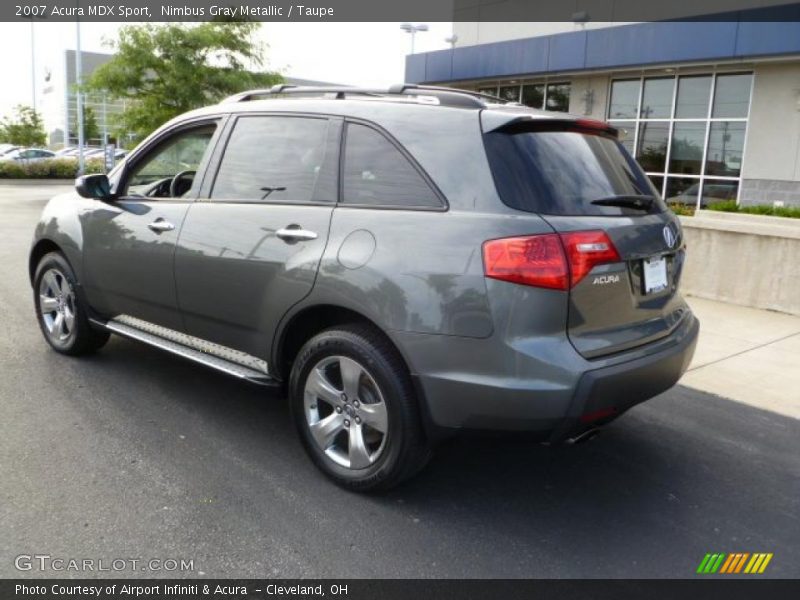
{"x": 637, "y": 202}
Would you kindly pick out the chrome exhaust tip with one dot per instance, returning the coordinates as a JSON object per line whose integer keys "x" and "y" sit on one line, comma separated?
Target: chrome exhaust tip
{"x": 584, "y": 437}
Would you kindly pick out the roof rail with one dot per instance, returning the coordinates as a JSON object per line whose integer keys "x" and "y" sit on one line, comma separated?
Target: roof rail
{"x": 443, "y": 95}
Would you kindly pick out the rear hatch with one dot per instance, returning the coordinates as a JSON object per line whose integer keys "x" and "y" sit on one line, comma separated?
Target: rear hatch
{"x": 623, "y": 248}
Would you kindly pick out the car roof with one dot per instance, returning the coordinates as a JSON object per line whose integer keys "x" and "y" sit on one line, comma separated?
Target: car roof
{"x": 410, "y": 101}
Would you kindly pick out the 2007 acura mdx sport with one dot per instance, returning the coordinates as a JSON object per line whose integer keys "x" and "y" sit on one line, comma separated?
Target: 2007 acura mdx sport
{"x": 407, "y": 262}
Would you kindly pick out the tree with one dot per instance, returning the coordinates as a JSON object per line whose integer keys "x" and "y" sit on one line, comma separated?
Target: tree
{"x": 91, "y": 130}
{"x": 25, "y": 128}
{"x": 165, "y": 70}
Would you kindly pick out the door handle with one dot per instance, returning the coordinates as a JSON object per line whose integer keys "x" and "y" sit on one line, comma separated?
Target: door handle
{"x": 295, "y": 232}
{"x": 161, "y": 225}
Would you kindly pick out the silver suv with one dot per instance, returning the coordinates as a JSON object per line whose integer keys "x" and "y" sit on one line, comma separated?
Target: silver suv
{"x": 407, "y": 263}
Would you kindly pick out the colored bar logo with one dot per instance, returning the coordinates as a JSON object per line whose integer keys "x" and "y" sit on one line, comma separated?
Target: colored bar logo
{"x": 737, "y": 562}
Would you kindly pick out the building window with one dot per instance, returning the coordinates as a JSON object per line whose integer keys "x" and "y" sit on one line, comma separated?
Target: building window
{"x": 545, "y": 95}
{"x": 687, "y": 132}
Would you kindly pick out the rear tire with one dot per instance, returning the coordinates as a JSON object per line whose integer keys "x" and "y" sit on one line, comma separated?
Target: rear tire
{"x": 355, "y": 409}
{"x": 60, "y": 311}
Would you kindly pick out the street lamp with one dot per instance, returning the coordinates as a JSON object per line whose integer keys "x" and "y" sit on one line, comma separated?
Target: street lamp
{"x": 413, "y": 29}
{"x": 452, "y": 39}
{"x": 79, "y": 93}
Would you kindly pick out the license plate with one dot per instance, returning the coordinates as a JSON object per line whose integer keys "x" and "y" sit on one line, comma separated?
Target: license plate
{"x": 655, "y": 274}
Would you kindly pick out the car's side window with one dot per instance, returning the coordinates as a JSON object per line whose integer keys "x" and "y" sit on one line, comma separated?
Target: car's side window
{"x": 377, "y": 173}
{"x": 168, "y": 170}
{"x": 272, "y": 159}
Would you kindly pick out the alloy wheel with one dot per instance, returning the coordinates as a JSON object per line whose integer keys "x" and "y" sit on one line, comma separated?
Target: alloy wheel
{"x": 345, "y": 412}
{"x": 57, "y": 306}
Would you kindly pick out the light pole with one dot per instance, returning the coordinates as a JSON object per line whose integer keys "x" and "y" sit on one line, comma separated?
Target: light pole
{"x": 78, "y": 94}
{"x": 413, "y": 29}
{"x": 33, "y": 67}
{"x": 452, "y": 41}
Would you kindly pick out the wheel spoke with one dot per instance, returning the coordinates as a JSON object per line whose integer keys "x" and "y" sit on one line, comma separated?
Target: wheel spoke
{"x": 47, "y": 303}
{"x": 52, "y": 283}
{"x": 374, "y": 415}
{"x": 358, "y": 452}
{"x": 351, "y": 376}
{"x": 321, "y": 388}
{"x": 69, "y": 319}
{"x": 325, "y": 430}
{"x": 58, "y": 324}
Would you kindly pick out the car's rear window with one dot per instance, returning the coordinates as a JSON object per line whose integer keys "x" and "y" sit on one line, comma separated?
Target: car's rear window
{"x": 561, "y": 172}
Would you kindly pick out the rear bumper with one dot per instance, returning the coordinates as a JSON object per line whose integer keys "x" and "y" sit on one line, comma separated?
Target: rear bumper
{"x": 541, "y": 386}
{"x": 603, "y": 394}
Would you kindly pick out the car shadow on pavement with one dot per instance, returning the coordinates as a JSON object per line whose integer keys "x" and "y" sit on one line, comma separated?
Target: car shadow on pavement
{"x": 686, "y": 471}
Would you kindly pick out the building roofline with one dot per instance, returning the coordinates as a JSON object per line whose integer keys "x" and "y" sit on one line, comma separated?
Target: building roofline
{"x": 618, "y": 47}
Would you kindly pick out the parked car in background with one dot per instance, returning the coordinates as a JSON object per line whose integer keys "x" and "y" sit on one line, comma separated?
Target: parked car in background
{"x": 406, "y": 263}
{"x": 712, "y": 192}
{"x": 28, "y": 155}
{"x": 7, "y": 148}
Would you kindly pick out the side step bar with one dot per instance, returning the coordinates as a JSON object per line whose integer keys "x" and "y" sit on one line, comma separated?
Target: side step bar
{"x": 200, "y": 351}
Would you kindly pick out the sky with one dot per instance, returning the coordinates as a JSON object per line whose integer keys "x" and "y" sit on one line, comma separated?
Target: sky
{"x": 368, "y": 54}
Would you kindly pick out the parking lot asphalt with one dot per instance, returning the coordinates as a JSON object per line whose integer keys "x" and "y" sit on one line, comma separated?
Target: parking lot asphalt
{"x": 133, "y": 453}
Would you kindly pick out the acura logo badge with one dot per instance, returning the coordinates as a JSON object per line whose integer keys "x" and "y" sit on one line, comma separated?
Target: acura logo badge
{"x": 669, "y": 236}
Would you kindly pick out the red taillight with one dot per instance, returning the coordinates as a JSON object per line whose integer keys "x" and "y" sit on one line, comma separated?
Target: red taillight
{"x": 533, "y": 260}
{"x": 585, "y": 250}
{"x": 550, "y": 260}
{"x": 588, "y": 125}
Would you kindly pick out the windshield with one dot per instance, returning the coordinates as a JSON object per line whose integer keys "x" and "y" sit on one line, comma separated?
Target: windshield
{"x": 563, "y": 172}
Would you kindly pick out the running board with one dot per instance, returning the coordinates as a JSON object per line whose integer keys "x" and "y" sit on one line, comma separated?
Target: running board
{"x": 216, "y": 356}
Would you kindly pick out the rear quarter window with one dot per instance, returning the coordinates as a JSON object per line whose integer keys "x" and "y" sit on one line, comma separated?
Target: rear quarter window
{"x": 561, "y": 172}
{"x": 377, "y": 173}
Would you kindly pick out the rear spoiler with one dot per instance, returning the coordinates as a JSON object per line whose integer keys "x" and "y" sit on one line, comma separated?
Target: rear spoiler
{"x": 496, "y": 121}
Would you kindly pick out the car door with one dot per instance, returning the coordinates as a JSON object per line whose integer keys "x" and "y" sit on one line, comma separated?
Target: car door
{"x": 250, "y": 246}
{"x": 129, "y": 243}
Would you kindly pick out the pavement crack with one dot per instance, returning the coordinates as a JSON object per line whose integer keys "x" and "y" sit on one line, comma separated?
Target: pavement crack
{"x": 745, "y": 351}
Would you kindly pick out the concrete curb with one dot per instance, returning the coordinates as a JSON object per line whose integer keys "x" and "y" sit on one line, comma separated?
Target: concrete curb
{"x": 12, "y": 181}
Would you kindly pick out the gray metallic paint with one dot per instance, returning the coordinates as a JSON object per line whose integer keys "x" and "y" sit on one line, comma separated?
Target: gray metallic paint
{"x": 486, "y": 353}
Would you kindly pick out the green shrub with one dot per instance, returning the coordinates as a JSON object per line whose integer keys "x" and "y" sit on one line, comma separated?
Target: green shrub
{"x": 724, "y": 206}
{"x": 684, "y": 210}
{"x": 52, "y": 168}
{"x": 791, "y": 212}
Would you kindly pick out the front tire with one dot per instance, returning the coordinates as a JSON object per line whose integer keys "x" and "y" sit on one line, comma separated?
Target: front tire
{"x": 59, "y": 310}
{"x": 355, "y": 409}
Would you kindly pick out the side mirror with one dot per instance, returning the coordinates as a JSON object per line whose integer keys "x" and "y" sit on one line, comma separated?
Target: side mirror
{"x": 93, "y": 186}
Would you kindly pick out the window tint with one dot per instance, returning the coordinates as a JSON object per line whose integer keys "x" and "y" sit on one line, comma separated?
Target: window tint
{"x": 272, "y": 159}
{"x": 562, "y": 172}
{"x": 181, "y": 153}
{"x": 377, "y": 173}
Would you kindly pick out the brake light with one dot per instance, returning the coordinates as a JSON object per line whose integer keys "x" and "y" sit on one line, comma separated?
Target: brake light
{"x": 585, "y": 250}
{"x": 588, "y": 125}
{"x": 551, "y": 260}
{"x": 536, "y": 260}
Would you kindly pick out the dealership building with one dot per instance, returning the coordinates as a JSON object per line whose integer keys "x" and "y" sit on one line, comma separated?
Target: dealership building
{"x": 711, "y": 110}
